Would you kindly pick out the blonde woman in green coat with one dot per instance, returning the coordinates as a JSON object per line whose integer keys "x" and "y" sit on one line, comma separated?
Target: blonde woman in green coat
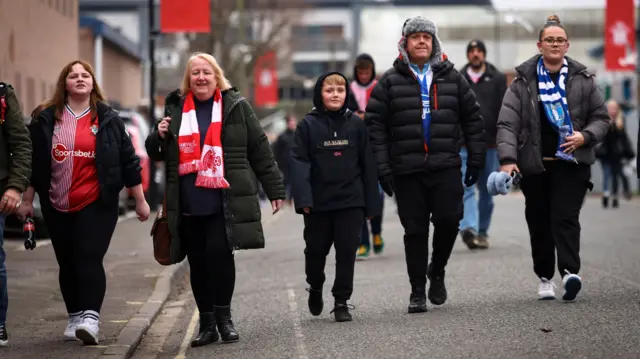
{"x": 211, "y": 141}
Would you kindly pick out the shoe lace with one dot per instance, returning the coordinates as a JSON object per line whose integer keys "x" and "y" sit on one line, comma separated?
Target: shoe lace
{"x": 342, "y": 306}
{"x": 547, "y": 284}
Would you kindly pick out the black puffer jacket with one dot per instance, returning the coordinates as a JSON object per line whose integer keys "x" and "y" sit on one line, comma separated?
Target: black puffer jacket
{"x": 116, "y": 159}
{"x": 394, "y": 119}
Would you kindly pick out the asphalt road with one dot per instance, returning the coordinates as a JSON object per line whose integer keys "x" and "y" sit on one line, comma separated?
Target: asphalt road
{"x": 492, "y": 311}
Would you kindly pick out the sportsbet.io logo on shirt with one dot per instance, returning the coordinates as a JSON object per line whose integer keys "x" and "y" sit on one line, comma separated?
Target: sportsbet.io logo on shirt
{"x": 60, "y": 153}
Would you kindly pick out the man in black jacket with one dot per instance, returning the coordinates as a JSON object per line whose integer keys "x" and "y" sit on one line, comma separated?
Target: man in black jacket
{"x": 282, "y": 152}
{"x": 417, "y": 115}
{"x": 489, "y": 85}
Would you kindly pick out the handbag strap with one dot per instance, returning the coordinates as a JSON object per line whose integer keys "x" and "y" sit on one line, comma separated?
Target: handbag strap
{"x": 164, "y": 206}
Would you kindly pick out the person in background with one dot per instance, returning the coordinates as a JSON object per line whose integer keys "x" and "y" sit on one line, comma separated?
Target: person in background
{"x": 364, "y": 80}
{"x": 82, "y": 158}
{"x": 417, "y": 116}
{"x": 334, "y": 187}
{"x": 211, "y": 143}
{"x": 15, "y": 171}
{"x": 615, "y": 151}
{"x": 552, "y": 145}
{"x": 282, "y": 153}
{"x": 489, "y": 85}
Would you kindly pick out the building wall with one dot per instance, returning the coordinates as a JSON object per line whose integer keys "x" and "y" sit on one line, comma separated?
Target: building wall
{"x": 121, "y": 73}
{"x": 33, "y": 51}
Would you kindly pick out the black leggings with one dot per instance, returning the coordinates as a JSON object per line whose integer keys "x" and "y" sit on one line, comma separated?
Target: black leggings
{"x": 80, "y": 241}
{"x": 213, "y": 268}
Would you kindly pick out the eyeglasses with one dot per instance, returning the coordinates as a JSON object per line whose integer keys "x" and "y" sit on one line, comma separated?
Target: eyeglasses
{"x": 550, "y": 41}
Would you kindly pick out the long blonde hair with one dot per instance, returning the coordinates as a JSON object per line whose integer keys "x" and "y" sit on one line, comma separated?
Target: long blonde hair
{"x": 222, "y": 82}
{"x": 618, "y": 121}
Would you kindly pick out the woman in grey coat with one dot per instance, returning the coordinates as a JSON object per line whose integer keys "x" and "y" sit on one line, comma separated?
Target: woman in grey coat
{"x": 552, "y": 116}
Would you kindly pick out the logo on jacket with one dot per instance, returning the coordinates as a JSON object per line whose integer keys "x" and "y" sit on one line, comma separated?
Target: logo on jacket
{"x": 336, "y": 143}
{"x": 60, "y": 153}
{"x": 211, "y": 161}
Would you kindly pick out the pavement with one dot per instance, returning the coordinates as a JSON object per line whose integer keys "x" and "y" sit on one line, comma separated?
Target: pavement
{"x": 37, "y": 316}
{"x": 492, "y": 311}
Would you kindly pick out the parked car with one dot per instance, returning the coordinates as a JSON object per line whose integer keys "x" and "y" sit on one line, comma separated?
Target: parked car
{"x": 138, "y": 130}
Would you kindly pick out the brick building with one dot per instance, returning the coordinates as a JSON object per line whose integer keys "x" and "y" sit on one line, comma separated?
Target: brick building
{"x": 39, "y": 37}
{"x": 33, "y": 50}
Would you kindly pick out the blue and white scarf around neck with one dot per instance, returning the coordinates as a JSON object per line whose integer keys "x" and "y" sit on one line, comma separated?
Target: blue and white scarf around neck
{"x": 554, "y": 101}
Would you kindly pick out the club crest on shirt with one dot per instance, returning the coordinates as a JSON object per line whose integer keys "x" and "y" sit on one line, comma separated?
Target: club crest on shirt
{"x": 94, "y": 129}
{"x": 56, "y": 129}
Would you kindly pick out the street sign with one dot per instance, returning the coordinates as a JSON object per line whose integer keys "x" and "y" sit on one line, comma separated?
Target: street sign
{"x": 167, "y": 59}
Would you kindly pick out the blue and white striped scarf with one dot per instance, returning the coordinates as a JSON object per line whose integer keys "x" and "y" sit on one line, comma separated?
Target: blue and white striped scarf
{"x": 554, "y": 101}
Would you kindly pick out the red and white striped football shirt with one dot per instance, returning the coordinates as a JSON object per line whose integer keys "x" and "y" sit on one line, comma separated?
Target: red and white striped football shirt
{"x": 74, "y": 176}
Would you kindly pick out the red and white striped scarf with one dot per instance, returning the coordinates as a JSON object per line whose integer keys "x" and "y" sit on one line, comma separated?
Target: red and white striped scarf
{"x": 208, "y": 162}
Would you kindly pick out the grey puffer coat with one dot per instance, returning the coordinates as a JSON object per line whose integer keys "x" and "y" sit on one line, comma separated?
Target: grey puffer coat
{"x": 518, "y": 137}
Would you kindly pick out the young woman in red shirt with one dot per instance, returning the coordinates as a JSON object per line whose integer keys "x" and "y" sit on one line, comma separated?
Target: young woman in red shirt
{"x": 82, "y": 158}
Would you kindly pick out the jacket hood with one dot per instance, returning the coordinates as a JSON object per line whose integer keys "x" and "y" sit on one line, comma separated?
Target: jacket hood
{"x": 364, "y": 57}
{"x": 317, "y": 92}
{"x": 528, "y": 68}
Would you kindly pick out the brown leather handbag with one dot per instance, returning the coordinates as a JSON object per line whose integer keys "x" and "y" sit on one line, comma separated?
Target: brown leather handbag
{"x": 162, "y": 236}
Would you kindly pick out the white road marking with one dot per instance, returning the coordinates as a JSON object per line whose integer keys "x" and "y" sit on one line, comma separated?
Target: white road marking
{"x": 188, "y": 335}
{"x": 297, "y": 327}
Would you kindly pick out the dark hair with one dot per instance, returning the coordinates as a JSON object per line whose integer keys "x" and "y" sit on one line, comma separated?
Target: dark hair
{"x": 552, "y": 21}
{"x": 364, "y": 64}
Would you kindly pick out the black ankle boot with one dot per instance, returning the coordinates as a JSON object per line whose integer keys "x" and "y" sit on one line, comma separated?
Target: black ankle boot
{"x": 225, "y": 325}
{"x": 207, "y": 333}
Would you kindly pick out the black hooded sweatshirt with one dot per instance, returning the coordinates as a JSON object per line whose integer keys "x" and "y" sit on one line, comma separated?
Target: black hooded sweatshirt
{"x": 332, "y": 164}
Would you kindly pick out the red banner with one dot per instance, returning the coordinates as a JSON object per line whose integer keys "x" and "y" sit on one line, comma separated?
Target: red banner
{"x": 620, "y": 36}
{"x": 185, "y": 16}
{"x": 265, "y": 80}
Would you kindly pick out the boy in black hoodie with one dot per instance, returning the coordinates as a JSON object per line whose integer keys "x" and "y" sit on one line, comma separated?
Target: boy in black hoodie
{"x": 335, "y": 186}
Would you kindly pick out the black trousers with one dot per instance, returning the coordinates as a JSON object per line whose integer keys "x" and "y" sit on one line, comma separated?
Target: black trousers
{"x": 420, "y": 197}
{"x": 80, "y": 241}
{"x": 342, "y": 229}
{"x": 553, "y": 200}
{"x": 211, "y": 262}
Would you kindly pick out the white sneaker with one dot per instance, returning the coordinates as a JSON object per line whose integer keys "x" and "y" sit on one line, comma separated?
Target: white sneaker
{"x": 545, "y": 290}
{"x": 572, "y": 284}
{"x": 87, "y": 331}
{"x": 70, "y": 331}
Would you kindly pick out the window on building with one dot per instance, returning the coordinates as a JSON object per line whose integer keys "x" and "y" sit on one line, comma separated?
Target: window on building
{"x": 322, "y": 31}
{"x": 313, "y": 69}
{"x": 17, "y": 85}
{"x": 30, "y": 104}
{"x": 44, "y": 95}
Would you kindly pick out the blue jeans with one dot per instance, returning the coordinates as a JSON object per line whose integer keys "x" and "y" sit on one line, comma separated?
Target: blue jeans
{"x": 477, "y": 212}
{"x": 4, "y": 295}
{"x": 376, "y": 223}
{"x": 606, "y": 176}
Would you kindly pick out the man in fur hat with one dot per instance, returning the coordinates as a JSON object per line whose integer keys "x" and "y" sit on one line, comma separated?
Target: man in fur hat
{"x": 419, "y": 114}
